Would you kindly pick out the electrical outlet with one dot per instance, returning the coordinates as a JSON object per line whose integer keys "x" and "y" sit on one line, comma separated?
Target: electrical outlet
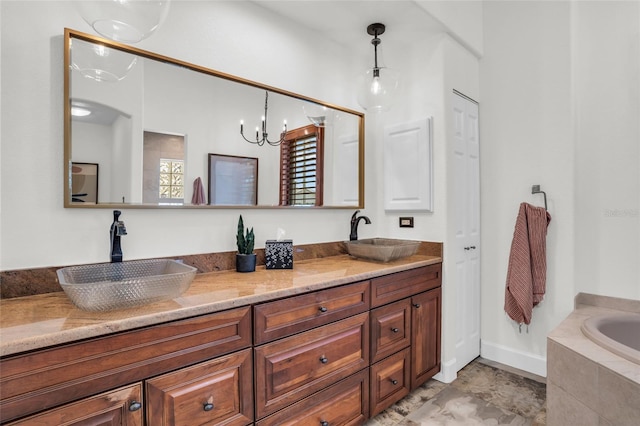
{"x": 406, "y": 222}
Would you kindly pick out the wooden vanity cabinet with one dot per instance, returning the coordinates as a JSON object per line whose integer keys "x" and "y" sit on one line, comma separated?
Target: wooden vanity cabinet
{"x": 405, "y": 333}
{"x": 120, "y": 407}
{"x": 336, "y": 356}
{"x": 47, "y": 378}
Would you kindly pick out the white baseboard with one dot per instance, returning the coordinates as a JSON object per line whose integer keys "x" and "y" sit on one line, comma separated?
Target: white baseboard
{"x": 447, "y": 372}
{"x": 529, "y": 362}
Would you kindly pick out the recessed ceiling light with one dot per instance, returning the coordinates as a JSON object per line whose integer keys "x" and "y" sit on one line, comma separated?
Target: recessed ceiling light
{"x": 79, "y": 112}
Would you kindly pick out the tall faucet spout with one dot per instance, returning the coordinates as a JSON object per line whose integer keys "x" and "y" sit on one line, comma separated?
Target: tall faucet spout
{"x": 355, "y": 220}
{"x": 116, "y": 231}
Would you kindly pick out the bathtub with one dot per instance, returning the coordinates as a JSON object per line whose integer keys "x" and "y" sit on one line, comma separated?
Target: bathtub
{"x": 618, "y": 333}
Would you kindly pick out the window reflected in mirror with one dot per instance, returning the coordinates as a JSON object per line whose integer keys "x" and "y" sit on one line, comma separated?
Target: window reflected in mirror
{"x": 163, "y": 168}
{"x": 301, "y": 165}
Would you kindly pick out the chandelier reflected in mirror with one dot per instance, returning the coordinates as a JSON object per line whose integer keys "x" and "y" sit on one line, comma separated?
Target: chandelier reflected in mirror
{"x": 262, "y": 136}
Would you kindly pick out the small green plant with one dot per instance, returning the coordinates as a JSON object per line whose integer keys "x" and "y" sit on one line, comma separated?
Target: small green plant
{"x": 244, "y": 240}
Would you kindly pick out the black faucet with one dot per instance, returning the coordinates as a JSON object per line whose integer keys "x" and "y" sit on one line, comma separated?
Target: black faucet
{"x": 116, "y": 231}
{"x": 355, "y": 219}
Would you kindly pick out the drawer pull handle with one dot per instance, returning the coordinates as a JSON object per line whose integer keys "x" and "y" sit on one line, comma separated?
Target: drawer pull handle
{"x": 324, "y": 423}
{"x": 394, "y": 382}
{"x": 324, "y": 360}
{"x": 207, "y": 406}
{"x": 416, "y": 305}
{"x": 395, "y": 330}
{"x": 322, "y": 309}
{"x": 135, "y": 406}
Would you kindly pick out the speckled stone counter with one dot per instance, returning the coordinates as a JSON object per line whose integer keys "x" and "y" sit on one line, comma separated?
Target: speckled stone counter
{"x": 42, "y": 320}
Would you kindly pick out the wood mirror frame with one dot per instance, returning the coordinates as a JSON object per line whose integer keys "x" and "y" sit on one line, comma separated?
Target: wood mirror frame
{"x": 356, "y": 200}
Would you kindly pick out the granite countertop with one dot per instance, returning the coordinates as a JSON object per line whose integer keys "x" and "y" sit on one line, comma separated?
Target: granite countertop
{"x": 34, "y": 322}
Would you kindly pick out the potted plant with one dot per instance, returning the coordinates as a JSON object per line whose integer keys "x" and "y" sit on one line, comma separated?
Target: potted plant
{"x": 246, "y": 258}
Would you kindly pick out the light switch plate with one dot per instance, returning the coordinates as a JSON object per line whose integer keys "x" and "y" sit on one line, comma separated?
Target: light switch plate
{"x": 406, "y": 222}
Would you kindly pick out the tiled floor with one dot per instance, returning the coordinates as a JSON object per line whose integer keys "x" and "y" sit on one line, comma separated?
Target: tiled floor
{"x": 483, "y": 394}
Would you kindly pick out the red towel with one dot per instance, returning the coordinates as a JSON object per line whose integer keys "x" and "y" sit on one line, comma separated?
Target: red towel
{"x": 198, "y": 193}
{"x": 527, "y": 272}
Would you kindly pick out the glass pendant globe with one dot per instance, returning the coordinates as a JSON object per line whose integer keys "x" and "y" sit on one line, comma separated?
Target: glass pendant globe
{"x": 320, "y": 115}
{"x": 127, "y": 21}
{"x": 99, "y": 62}
{"x": 376, "y": 93}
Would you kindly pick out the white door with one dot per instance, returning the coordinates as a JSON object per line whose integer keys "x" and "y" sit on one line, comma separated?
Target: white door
{"x": 466, "y": 150}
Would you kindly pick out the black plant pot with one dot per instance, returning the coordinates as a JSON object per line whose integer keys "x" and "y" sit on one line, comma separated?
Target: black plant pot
{"x": 245, "y": 262}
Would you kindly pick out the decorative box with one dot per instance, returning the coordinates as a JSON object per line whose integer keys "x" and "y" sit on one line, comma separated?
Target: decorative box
{"x": 278, "y": 254}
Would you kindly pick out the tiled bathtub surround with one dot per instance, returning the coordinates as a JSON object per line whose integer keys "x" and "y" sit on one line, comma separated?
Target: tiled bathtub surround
{"x": 586, "y": 384}
{"x": 28, "y": 282}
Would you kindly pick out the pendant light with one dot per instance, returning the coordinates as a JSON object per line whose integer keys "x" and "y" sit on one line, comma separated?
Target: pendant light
{"x": 377, "y": 86}
{"x": 127, "y": 21}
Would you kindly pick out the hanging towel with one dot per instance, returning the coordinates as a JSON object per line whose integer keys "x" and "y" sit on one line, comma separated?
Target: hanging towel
{"x": 527, "y": 271}
{"x": 198, "y": 193}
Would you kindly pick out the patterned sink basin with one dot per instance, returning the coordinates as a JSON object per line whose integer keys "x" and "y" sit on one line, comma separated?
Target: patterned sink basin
{"x": 382, "y": 249}
{"x": 109, "y": 286}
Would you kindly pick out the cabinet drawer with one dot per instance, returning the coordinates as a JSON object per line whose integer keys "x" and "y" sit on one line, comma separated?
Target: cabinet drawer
{"x": 397, "y": 286}
{"x": 46, "y": 378}
{"x": 211, "y": 392}
{"x": 346, "y": 403}
{"x": 390, "y": 381}
{"x": 285, "y": 317}
{"x": 114, "y": 408}
{"x": 390, "y": 329}
{"x": 295, "y": 367}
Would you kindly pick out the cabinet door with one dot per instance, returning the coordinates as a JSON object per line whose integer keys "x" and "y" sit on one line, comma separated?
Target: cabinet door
{"x": 121, "y": 407}
{"x": 213, "y": 392}
{"x": 346, "y": 403}
{"x": 425, "y": 336}
{"x": 293, "y": 368}
{"x": 390, "y": 329}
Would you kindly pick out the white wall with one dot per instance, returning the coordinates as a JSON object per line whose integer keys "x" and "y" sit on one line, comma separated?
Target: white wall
{"x": 606, "y": 73}
{"x": 235, "y": 37}
{"x": 560, "y": 108}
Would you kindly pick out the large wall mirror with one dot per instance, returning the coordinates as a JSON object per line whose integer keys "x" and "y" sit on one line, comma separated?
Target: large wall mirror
{"x": 149, "y": 125}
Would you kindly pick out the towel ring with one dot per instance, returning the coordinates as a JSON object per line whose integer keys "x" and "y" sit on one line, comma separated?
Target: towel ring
{"x": 535, "y": 189}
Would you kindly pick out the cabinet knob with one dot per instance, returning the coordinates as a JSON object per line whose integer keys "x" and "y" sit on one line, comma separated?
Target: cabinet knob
{"x": 324, "y": 423}
{"x": 395, "y": 330}
{"x": 135, "y": 406}
{"x": 324, "y": 359}
{"x": 207, "y": 406}
{"x": 416, "y": 305}
{"x": 394, "y": 382}
{"x": 322, "y": 309}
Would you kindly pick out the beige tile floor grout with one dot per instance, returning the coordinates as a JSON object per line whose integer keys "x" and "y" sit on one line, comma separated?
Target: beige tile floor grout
{"x": 484, "y": 392}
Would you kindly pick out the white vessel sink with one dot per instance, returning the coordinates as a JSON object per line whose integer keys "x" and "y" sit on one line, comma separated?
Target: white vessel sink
{"x": 382, "y": 249}
{"x": 109, "y": 286}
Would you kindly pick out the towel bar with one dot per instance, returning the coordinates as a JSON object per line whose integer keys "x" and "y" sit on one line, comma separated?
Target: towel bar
{"x": 535, "y": 189}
